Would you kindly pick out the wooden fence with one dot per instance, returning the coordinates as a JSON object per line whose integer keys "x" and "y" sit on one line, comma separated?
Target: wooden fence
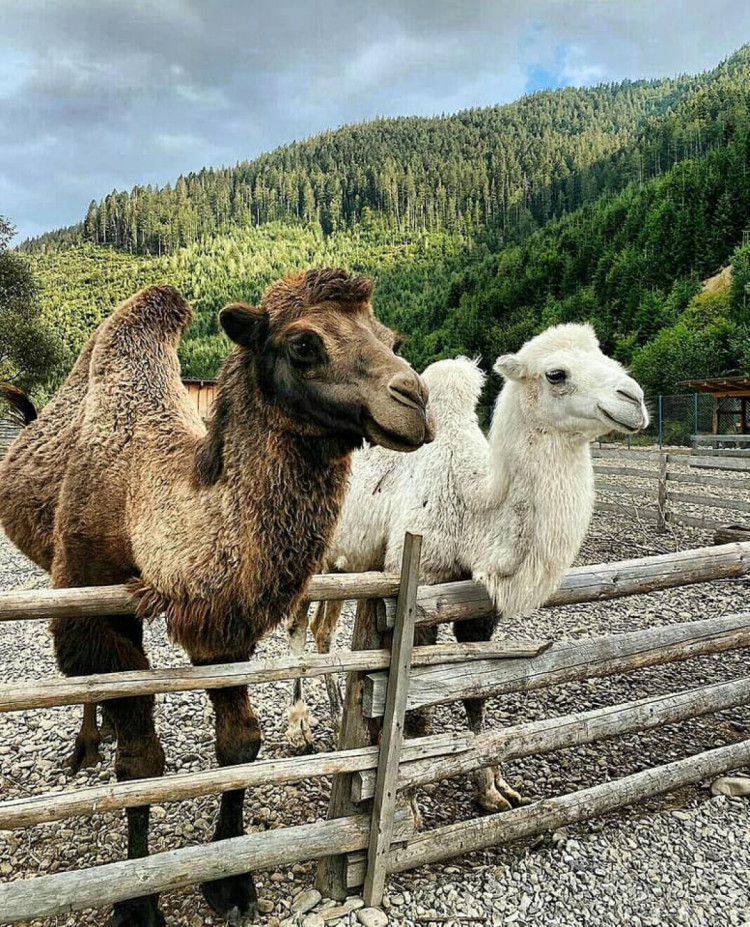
{"x": 659, "y": 486}
{"x": 387, "y": 676}
{"x": 9, "y": 431}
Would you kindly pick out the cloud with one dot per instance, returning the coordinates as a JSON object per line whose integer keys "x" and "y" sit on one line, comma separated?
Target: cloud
{"x": 103, "y": 94}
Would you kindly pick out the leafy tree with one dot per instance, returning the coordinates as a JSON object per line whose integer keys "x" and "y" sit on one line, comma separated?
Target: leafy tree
{"x": 29, "y": 350}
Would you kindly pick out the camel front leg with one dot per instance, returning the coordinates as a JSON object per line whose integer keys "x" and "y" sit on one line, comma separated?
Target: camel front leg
{"x": 86, "y": 749}
{"x": 323, "y": 625}
{"x": 300, "y": 722}
{"x": 238, "y": 739}
{"x": 492, "y": 791}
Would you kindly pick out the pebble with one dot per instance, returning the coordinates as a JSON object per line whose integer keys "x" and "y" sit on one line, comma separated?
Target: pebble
{"x": 372, "y": 917}
{"x": 306, "y": 901}
{"x": 677, "y": 862}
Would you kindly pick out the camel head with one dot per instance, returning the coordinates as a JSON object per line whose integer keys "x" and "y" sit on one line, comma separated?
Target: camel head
{"x": 569, "y": 385}
{"x": 327, "y": 366}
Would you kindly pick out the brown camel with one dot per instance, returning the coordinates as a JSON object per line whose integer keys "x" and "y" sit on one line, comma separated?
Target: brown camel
{"x": 118, "y": 480}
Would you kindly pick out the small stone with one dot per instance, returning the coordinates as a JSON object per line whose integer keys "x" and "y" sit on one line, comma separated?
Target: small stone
{"x": 306, "y": 901}
{"x": 372, "y": 917}
{"x": 313, "y": 920}
{"x": 732, "y": 786}
{"x": 266, "y": 905}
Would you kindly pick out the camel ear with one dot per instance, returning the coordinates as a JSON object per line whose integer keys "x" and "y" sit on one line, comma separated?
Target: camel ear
{"x": 511, "y": 367}
{"x": 245, "y": 325}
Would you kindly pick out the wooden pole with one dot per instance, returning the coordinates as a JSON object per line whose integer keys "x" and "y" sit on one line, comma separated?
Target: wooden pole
{"x": 573, "y": 730}
{"x": 116, "y": 600}
{"x": 552, "y": 813}
{"x": 38, "y": 809}
{"x": 52, "y": 690}
{"x": 384, "y": 804}
{"x": 447, "y": 602}
{"x": 565, "y": 662}
{"x": 661, "y": 501}
{"x": 356, "y": 731}
{"x": 46, "y": 896}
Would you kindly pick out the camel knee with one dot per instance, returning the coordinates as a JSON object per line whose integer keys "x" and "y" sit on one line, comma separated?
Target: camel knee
{"x": 323, "y": 624}
{"x": 242, "y": 745}
{"x": 139, "y": 759}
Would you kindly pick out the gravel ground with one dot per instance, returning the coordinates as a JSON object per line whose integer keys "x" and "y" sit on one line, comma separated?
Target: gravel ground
{"x": 682, "y": 859}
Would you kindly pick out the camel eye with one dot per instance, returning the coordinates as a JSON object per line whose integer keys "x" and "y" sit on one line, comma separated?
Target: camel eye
{"x": 556, "y": 376}
{"x": 307, "y": 349}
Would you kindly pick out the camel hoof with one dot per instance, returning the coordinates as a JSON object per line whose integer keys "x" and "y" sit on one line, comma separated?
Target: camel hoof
{"x": 299, "y": 731}
{"x": 138, "y": 912}
{"x": 234, "y": 898}
{"x": 491, "y": 801}
{"x": 84, "y": 756}
{"x": 514, "y": 798}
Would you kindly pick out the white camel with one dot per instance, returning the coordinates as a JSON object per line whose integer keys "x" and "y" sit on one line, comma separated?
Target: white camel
{"x": 512, "y": 513}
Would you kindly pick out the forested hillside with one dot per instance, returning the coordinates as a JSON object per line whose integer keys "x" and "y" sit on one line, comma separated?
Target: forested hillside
{"x": 608, "y": 205}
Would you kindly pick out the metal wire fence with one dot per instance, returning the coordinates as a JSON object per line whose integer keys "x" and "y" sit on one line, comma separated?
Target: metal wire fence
{"x": 674, "y": 421}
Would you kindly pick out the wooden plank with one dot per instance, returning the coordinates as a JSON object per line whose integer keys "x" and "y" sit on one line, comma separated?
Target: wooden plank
{"x": 661, "y": 496}
{"x": 39, "y": 809}
{"x": 701, "y": 479}
{"x": 714, "y": 502}
{"x": 721, "y": 452}
{"x": 384, "y": 803}
{"x": 635, "y": 472}
{"x": 52, "y": 691}
{"x": 445, "y": 602}
{"x": 604, "y": 486}
{"x": 356, "y": 731}
{"x": 573, "y": 730}
{"x": 617, "y": 453}
{"x": 115, "y": 600}
{"x": 720, "y": 463}
{"x": 566, "y": 661}
{"x": 553, "y": 813}
{"x": 693, "y": 521}
{"x": 717, "y": 439}
{"x": 624, "y": 508}
{"x": 50, "y": 895}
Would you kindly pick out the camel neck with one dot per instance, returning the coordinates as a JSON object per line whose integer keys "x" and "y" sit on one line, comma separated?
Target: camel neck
{"x": 517, "y": 448}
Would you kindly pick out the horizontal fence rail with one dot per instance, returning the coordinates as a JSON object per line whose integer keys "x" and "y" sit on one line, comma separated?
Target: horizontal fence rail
{"x": 436, "y": 604}
{"x": 566, "y": 661}
{"x": 539, "y": 737}
{"x": 657, "y": 482}
{"x": 361, "y": 770}
{"x": 71, "y": 891}
{"x": 553, "y": 813}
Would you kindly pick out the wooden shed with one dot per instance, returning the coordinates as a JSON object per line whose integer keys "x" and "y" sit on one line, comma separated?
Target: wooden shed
{"x": 202, "y": 392}
{"x": 731, "y": 394}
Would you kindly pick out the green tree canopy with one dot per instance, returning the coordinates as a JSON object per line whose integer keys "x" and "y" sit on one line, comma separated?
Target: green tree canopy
{"x": 29, "y": 350}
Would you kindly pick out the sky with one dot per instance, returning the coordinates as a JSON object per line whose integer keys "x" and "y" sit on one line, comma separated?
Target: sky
{"x": 97, "y": 95}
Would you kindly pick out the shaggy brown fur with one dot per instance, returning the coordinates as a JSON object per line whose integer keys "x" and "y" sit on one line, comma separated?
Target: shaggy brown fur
{"x": 119, "y": 481}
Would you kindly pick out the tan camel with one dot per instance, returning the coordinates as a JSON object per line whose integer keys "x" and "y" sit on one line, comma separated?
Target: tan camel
{"x": 118, "y": 480}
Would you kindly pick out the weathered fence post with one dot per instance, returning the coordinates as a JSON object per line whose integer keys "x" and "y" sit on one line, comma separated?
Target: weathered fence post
{"x": 661, "y": 502}
{"x": 384, "y": 803}
{"x": 356, "y": 731}
{"x": 359, "y": 731}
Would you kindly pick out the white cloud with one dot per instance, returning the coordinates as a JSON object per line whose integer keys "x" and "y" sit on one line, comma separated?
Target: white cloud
{"x": 99, "y": 94}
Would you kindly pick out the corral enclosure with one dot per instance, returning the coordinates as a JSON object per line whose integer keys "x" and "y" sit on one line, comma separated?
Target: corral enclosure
{"x": 615, "y": 534}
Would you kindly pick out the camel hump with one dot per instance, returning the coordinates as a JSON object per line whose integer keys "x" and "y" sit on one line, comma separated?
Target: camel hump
{"x": 159, "y": 310}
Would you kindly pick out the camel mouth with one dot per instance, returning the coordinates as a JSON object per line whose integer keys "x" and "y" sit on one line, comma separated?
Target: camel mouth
{"x": 391, "y": 440}
{"x": 621, "y": 426}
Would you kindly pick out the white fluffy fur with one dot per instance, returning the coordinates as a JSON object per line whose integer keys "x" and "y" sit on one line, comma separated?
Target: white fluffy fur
{"x": 513, "y": 511}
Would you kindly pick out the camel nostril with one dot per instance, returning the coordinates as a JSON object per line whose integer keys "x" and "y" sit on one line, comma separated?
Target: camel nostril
{"x": 630, "y": 396}
{"x": 407, "y": 391}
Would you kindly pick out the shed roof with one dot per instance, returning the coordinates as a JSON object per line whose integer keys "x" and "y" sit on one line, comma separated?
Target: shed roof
{"x": 726, "y": 386}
